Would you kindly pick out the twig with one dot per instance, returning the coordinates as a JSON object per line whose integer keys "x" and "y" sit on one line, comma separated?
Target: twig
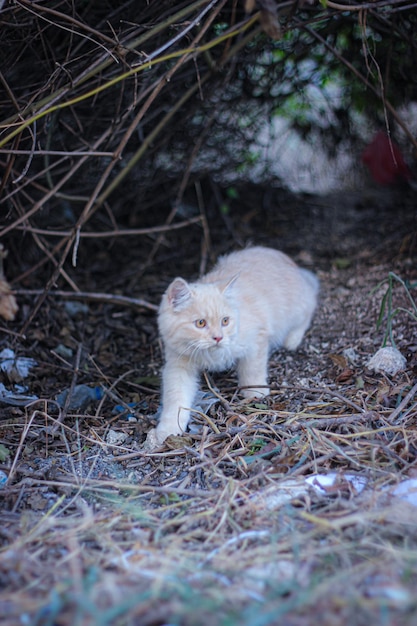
{"x": 324, "y": 422}
{"x": 52, "y": 192}
{"x": 107, "y": 298}
{"x": 324, "y": 391}
{"x": 98, "y": 67}
{"x": 117, "y": 232}
{"x": 410, "y": 395}
{"x": 63, "y": 413}
{"x": 186, "y": 52}
{"x": 103, "y": 486}
{"x": 365, "y": 81}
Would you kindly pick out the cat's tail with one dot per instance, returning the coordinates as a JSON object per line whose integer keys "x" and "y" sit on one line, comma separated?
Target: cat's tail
{"x": 312, "y": 280}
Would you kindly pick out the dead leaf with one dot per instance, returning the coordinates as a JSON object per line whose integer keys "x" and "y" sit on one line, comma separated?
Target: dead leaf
{"x": 339, "y": 360}
{"x": 383, "y": 394}
{"x": 176, "y": 442}
{"x": 345, "y": 375}
{"x": 250, "y": 5}
{"x": 4, "y": 453}
{"x": 269, "y": 18}
{"x": 279, "y": 406}
{"x": 37, "y": 502}
{"x": 8, "y": 304}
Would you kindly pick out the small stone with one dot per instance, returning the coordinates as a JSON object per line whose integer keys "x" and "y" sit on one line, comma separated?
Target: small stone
{"x": 75, "y": 308}
{"x": 115, "y": 438}
{"x": 351, "y": 355}
{"x": 387, "y": 360}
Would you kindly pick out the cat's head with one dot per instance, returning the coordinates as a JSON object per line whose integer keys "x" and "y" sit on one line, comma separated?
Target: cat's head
{"x": 198, "y": 320}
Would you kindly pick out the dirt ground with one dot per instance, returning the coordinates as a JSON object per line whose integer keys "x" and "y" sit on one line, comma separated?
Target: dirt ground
{"x": 220, "y": 527}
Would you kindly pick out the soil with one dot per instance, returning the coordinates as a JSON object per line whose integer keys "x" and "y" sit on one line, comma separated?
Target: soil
{"x": 354, "y": 241}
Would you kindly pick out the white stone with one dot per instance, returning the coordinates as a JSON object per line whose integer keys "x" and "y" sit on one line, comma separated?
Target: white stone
{"x": 387, "y": 360}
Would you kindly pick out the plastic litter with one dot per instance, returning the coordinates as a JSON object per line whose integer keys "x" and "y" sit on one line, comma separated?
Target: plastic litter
{"x": 81, "y": 397}
{"x": 325, "y": 484}
{"x": 3, "y": 479}
{"x": 277, "y": 495}
{"x": 16, "y": 368}
{"x": 119, "y": 409}
{"x": 203, "y": 402}
{"x": 15, "y": 398}
{"x": 406, "y": 490}
{"x": 74, "y": 308}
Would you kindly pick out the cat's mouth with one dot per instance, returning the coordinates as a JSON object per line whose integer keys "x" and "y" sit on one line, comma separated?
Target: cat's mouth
{"x": 216, "y": 345}
{"x": 213, "y": 347}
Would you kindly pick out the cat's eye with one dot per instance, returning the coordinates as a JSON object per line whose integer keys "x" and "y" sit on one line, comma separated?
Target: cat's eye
{"x": 200, "y": 323}
{"x": 225, "y": 321}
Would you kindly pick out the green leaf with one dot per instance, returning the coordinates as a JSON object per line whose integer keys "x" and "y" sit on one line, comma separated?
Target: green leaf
{"x": 232, "y": 193}
{"x": 4, "y": 453}
{"x": 342, "y": 263}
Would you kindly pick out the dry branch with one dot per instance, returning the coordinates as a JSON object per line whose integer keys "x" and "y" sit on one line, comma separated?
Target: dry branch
{"x": 105, "y": 298}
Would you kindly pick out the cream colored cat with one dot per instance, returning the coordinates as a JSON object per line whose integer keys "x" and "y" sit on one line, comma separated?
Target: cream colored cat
{"x": 252, "y": 302}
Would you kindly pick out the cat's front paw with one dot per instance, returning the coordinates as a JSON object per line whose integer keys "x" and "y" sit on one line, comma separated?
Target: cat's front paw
{"x": 255, "y": 393}
{"x": 153, "y": 440}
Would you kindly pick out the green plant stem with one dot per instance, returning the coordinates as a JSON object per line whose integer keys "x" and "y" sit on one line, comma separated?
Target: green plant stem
{"x": 117, "y": 79}
{"x": 101, "y": 65}
{"x": 387, "y": 306}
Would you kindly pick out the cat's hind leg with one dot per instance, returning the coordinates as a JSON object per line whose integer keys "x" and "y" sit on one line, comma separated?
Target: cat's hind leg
{"x": 295, "y": 336}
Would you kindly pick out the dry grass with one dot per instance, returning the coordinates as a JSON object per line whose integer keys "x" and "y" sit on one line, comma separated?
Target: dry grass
{"x": 225, "y": 531}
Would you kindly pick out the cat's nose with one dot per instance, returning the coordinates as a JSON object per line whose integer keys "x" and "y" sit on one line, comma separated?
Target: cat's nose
{"x": 218, "y": 339}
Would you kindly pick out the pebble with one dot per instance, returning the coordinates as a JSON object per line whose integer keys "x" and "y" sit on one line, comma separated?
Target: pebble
{"x": 387, "y": 360}
{"x": 115, "y": 438}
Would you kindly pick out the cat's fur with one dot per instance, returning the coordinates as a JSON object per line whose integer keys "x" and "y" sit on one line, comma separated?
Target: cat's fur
{"x": 252, "y": 302}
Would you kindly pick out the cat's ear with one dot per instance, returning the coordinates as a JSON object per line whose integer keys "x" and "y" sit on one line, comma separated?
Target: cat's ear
{"x": 179, "y": 293}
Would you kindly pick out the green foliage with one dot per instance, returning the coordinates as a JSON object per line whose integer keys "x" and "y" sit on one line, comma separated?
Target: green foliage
{"x": 322, "y": 76}
{"x": 388, "y": 310}
{"x": 232, "y": 194}
{"x": 248, "y": 158}
{"x": 257, "y": 445}
{"x": 4, "y": 453}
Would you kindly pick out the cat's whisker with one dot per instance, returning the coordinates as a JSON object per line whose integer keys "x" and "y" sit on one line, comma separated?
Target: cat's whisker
{"x": 191, "y": 349}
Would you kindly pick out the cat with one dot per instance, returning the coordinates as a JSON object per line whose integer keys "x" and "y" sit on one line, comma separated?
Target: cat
{"x": 252, "y": 302}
